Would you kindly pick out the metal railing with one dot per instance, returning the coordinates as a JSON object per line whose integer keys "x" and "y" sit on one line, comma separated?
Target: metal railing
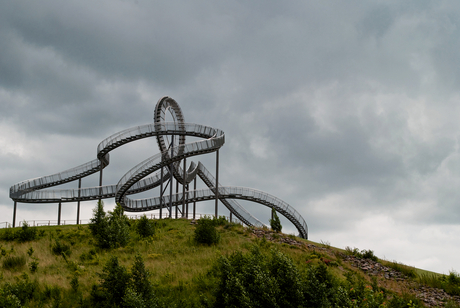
{"x": 44, "y": 222}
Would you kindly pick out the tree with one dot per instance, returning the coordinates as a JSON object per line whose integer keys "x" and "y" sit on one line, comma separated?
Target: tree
{"x": 113, "y": 285}
{"x": 110, "y": 230}
{"x": 275, "y": 223}
{"x": 118, "y": 228}
{"x": 99, "y": 226}
{"x": 141, "y": 284}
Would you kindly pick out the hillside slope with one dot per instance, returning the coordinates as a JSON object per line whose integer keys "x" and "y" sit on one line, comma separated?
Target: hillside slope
{"x": 64, "y": 267}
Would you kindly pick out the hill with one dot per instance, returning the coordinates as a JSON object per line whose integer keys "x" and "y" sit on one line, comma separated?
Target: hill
{"x": 65, "y": 266}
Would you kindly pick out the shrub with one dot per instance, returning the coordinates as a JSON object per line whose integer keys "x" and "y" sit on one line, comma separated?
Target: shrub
{"x": 33, "y": 266}
{"x": 27, "y": 233}
{"x": 364, "y": 254}
{"x": 14, "y": 262}
{"x": 221, "y": 221}
{"x": 257, "y": 280}
{"x": 74, "y": 282}
{"x": 23, "y": 289}
{"x": 145, "y": 227}
{"x": 206, "y": 232}
{"x": 60, "y": 249}
{"x": 8, "y": 234}
{"x": 275, "y": 222}
{"x": 120, "y": 288}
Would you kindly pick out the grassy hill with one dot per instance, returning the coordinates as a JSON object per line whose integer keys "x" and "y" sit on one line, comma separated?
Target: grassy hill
{"x": 64, "y": 266}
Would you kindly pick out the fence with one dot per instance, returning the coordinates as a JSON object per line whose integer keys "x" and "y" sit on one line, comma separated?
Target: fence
{"x": 38, "y": 223}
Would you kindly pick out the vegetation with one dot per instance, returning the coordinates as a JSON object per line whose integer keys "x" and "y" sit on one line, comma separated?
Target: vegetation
{"x": 67, "y": 266}
{"x": 112, "y": 230}
{"x": 364, "y": 254}
{"x": 206, "y": 232}
{"x": 145, "y": 227}
{"x": 275, "y": 222}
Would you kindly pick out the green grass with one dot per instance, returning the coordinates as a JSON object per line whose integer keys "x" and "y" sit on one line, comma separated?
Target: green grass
{"x": 178, "y": 265}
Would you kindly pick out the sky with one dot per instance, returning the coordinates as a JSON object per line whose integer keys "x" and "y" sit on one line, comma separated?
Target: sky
{"x": 348, "y": 111}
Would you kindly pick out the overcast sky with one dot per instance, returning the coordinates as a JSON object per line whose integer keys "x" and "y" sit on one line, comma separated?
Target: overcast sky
{"x": 347, "y": 110}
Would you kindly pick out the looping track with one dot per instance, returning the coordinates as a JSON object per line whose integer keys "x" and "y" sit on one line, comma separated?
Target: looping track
{"x": 146, "y": 175}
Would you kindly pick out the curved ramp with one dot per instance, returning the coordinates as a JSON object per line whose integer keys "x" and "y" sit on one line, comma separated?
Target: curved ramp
{"x": 147, "y": 174}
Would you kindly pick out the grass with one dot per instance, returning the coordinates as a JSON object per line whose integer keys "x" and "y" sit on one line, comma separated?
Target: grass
{"x": 179, "y": 266}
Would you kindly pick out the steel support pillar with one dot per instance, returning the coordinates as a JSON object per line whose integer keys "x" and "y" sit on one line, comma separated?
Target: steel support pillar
{"x": 186, "y": 201}
{"x": 230, "y": 216}
{"x": 14, "y": 214}
{"x": 78, "y": 203}
{"x": 100, "y": 184}
{"x": 183, "y": 190}
{"x": 59, "y": 214}
{"x": 161, "y": 190}
{"x": 171, "y": 177}
{"x": 217, "y": 182}
{"x": 194, "y": 198}
{"x": 177, "y": 194}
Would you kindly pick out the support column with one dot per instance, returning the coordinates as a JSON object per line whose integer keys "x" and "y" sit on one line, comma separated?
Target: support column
{"x": 194, "y": 198}
{"x": 230, "y": 216}
{"x": 186, "y": 201}
{"x": 14, "y": 214}
{"x": 59, "y": 214}
{"x": 183, "y": 190}
{"x": 217, "y": 181}
{"x": 78, "y": 203}
{"x": 177, "y": 194}
{"x": 171, "y": 178}
{"x": 100, "y": 184}
{"x": 161, "y": 189}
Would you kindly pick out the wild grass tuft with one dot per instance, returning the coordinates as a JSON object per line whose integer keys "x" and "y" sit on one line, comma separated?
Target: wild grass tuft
{"x": 407, "y": 270}
{"x": 14, "y": 263}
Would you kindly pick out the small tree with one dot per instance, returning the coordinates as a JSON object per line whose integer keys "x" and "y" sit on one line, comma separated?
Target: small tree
{"x": 118, "y": 227}
{"x": 275, "y": 223}
{"x": 110, "y": 230}
{"x": 114, "y": 282}
{"x": 141, "y": 284}
{"x": 99, "y": 226}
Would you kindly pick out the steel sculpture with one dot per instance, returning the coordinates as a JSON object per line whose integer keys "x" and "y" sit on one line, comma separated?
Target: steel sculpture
{"x": 157, "y": 171}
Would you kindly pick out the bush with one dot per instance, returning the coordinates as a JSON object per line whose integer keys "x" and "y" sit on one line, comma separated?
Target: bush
{"x": 23, "y": 289}
{"x": 206, "y": 232}
{"x": 145, "y": 227}
{"x": 275, "y": 223}
{"x": 60, "y": 249}
{"x": 8, "y": 234}
{"x": 27, "y": 233}
{"x": 33, "y": 266}
{"x": 363, "y": 254}
{"x": 119, "y": 288}
{"x": 257, "y": 280}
